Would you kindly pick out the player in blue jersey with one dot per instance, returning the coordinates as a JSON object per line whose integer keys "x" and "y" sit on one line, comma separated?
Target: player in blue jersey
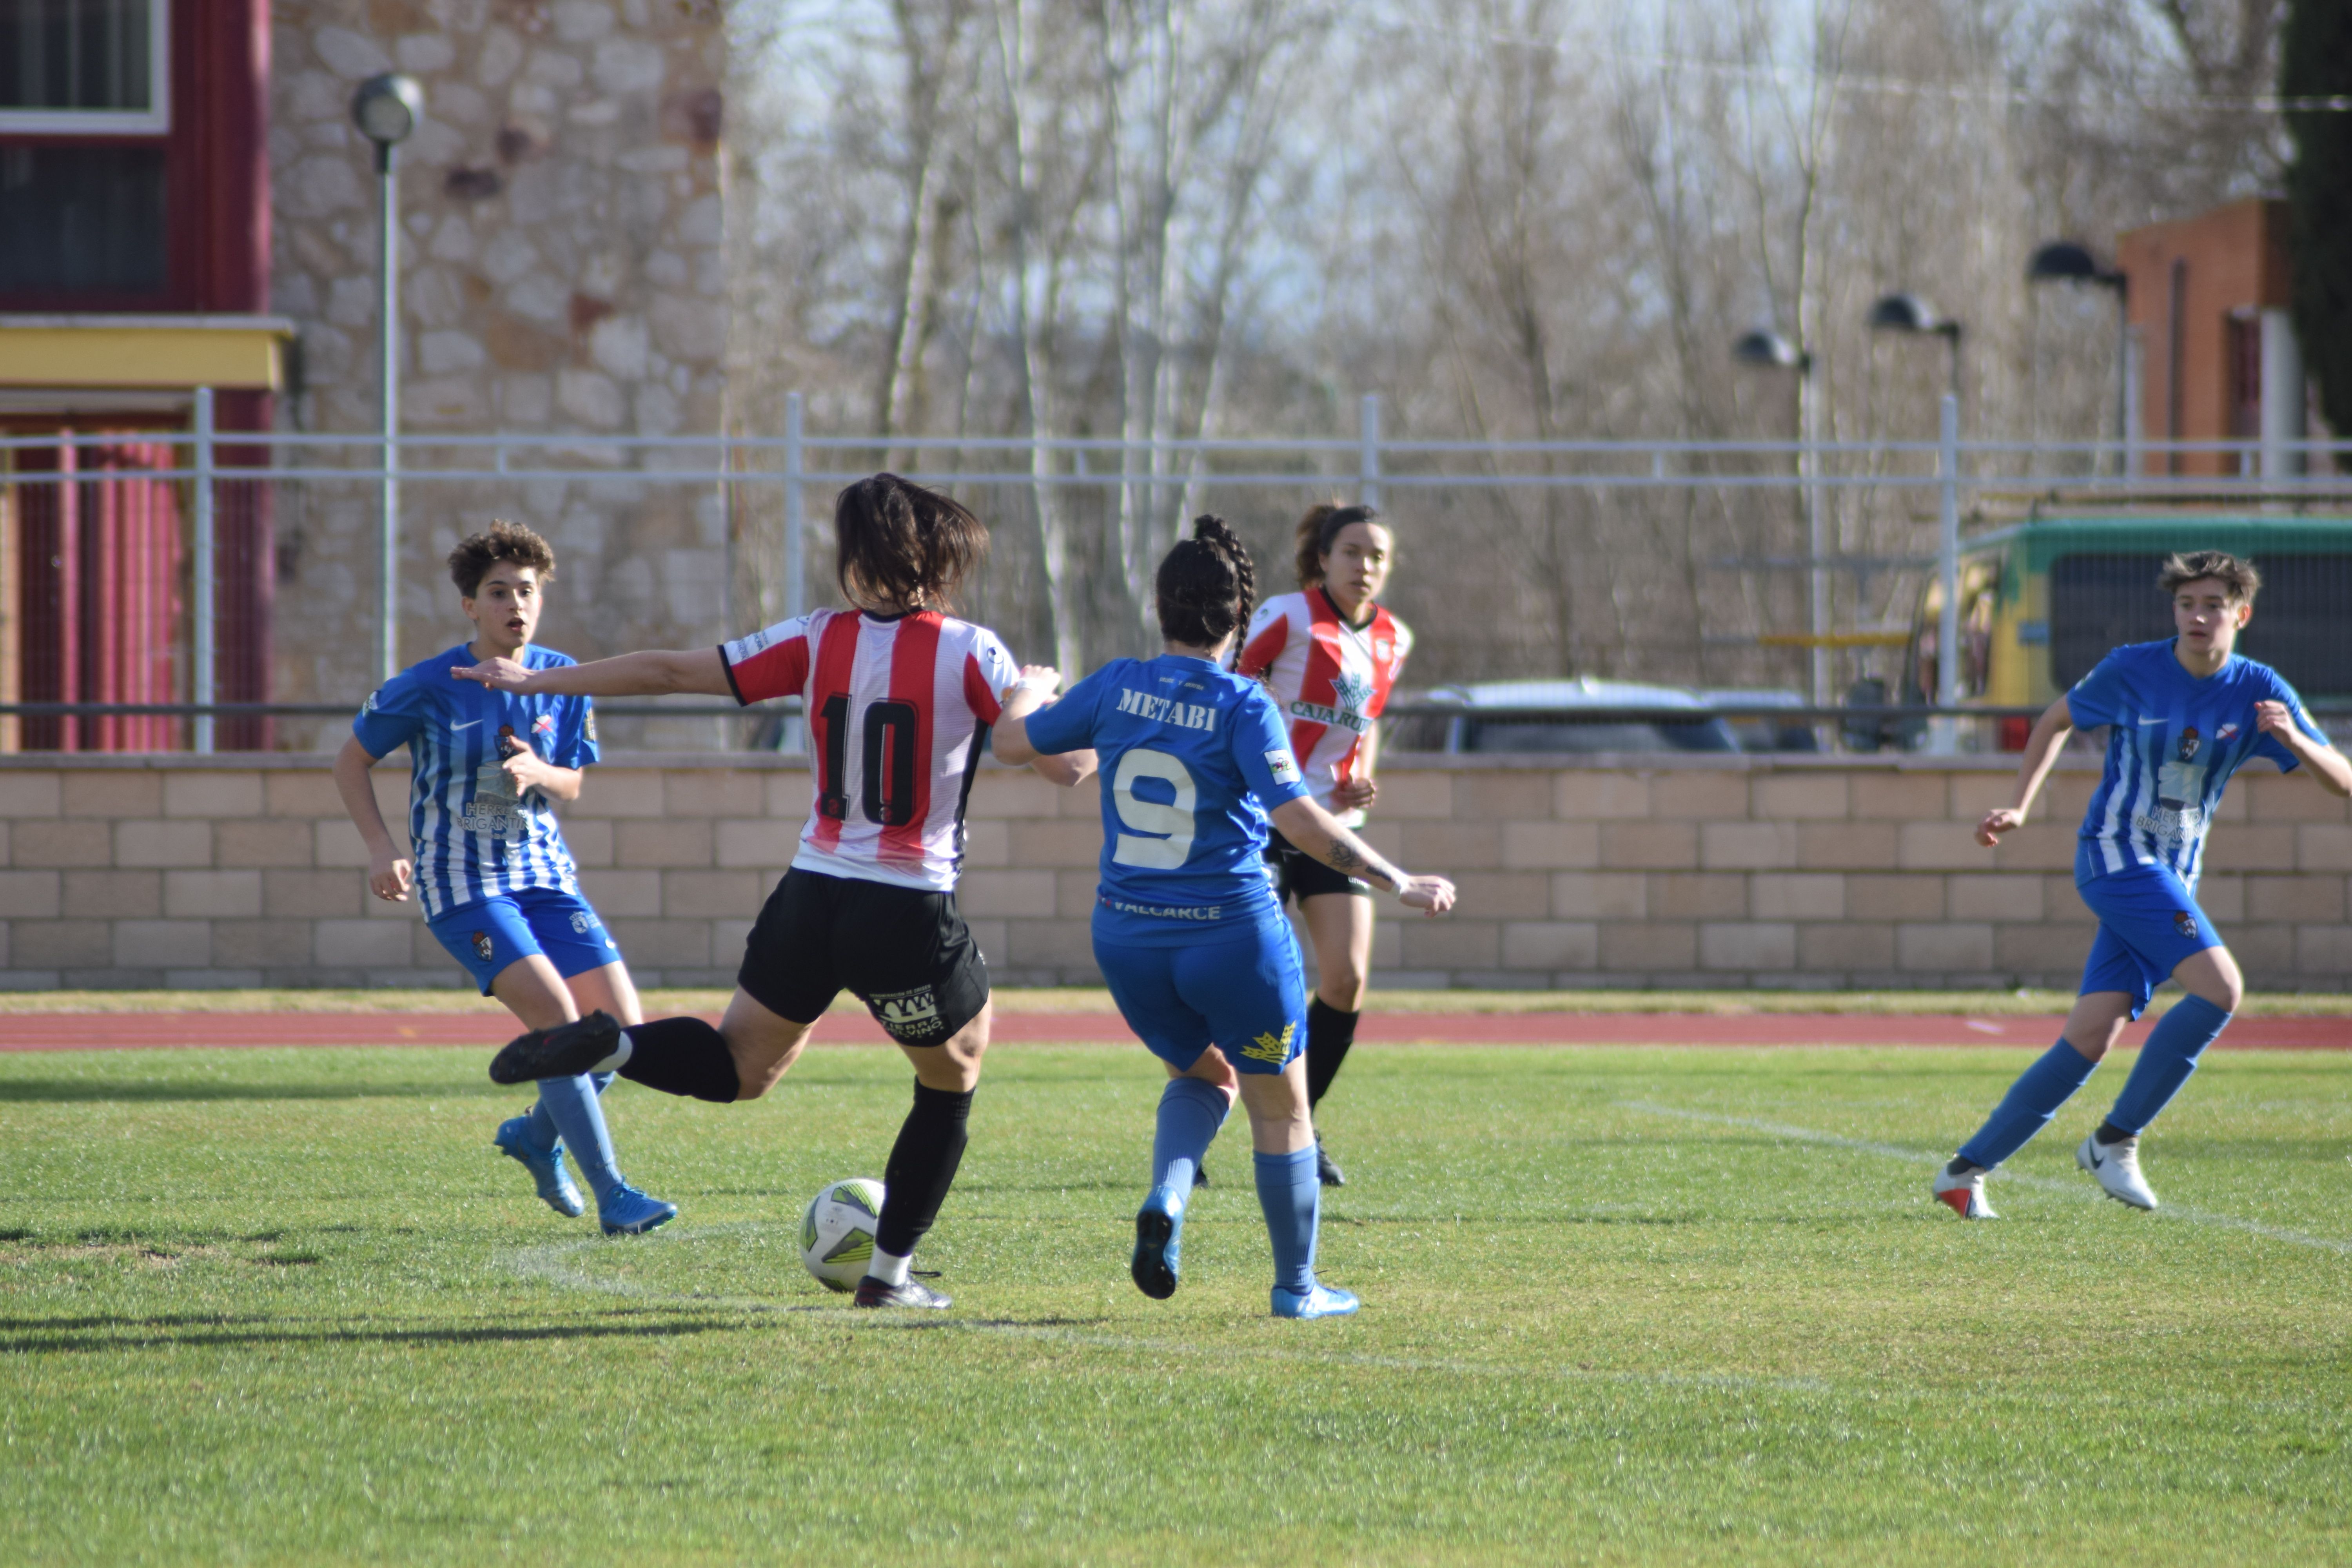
{"x": 1186, "y": 929}
{"x": 487, "y": 860}
{"x": 2181, "y": 716}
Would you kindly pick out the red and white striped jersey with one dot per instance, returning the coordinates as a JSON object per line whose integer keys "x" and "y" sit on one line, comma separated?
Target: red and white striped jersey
{"x": 1330, "y": 678}
{"x": 894, "y": 708}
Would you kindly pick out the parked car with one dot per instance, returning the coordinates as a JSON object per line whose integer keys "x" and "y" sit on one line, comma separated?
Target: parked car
{"x": 1576, "y": 716}
{"x": 1762, "y": 732}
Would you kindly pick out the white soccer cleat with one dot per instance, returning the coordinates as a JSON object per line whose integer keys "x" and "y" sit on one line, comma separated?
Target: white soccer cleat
{"x": 2115, "y": 1166}
{"x": 1964, "y": 1193}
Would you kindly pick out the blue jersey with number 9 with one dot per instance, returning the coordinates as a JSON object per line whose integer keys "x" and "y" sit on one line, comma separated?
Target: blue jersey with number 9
{"x": 1192, "y": 758}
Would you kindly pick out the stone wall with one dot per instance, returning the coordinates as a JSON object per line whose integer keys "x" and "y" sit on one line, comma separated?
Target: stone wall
{"x": 153, "y": 870}
{"x": 563, "y": 270}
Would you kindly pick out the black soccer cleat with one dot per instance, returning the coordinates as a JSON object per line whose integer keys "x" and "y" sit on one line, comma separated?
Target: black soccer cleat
{"x": 1158, "y": 1241}
{"x": 1325, "y": 1171}
{"x": 871, "y": 1292}
{"x": 565, "y": 1051}
{"x": 1201, "y": 1174}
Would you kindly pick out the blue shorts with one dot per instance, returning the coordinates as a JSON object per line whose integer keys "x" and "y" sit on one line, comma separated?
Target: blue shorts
{"x": 490, "y": 934}
{"x": 2148, "y": 923}
{"x": 1246, "y": 996}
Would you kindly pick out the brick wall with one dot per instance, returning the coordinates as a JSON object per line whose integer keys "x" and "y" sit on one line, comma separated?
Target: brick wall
{"x": 131, "y": 870}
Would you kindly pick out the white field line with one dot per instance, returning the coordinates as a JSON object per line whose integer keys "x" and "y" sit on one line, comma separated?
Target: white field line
{"x": 2082, "y": 1189}
{"x": 551, "y": 1265}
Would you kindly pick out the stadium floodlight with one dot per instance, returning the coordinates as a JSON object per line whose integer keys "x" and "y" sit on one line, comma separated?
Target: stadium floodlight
{"x": 1909, "y": 313}
{"x": 2065, "y": 261}
{"x": 1767, "y": 350}
{"x": 386, "y": 110}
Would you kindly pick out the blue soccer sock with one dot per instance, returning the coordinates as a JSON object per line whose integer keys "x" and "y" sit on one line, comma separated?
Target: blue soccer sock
{"x": 2164, "y": 1063}
{"x": 571, "y": 1104}
{"x": 2029, "y": 1104}
{"x": 1191, "y": 1111}
{"x": 543, "y": 1131}
{"x": 1291, "y": 1194}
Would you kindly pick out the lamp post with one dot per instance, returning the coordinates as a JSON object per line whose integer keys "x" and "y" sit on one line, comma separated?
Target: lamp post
{"x": 1910, "y": 313}
{"x": 386, "y": 109}
{"x": 2064, "y": 261}
{"x": 1769, "y": 350}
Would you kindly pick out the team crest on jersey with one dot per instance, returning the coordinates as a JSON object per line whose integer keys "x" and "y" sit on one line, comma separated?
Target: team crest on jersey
{"x": 543, "y": 725}
{"x": 1270, "y": 1046}
{"x": 2184, "y": 922}
{"x": 580, "y": 922}
{"x": 911, "y": 1016}
{"x": 485, "y": 946}
{"x": 1350, "y": 691}
{"x": 2189, "y": 741}
{"x": 2226, "y": 731}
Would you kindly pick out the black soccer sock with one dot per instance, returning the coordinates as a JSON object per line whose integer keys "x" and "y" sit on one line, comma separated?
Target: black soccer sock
{"x": 923, "y": 1167}
{"x": 1330, "y": 1033}
{"x": 2109, "y": 1133}
{"x": 683, "y": 1057}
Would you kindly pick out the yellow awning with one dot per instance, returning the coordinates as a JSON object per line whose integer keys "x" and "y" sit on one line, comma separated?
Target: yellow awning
{"x": 181, "y": 353}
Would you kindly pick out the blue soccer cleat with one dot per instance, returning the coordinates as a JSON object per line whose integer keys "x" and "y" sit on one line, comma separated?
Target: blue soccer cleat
{"x": 1314, "y": 1302}
{"x": 1159, "y": 1237}
{"x": 546, "y": 1168}
{"x": 624, "y": 1210}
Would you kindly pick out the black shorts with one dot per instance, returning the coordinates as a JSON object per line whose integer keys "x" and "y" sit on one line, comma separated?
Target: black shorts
{"x": 1298, "y": 875}
{"x": 903, "y": 952}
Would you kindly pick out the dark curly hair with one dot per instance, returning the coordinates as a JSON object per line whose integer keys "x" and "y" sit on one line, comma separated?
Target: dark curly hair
{"x": 1318, "y": 528}
{"x": 901, "y": 543}
{"x": 472, "y": 560}
{"x": 1206, "y": 586}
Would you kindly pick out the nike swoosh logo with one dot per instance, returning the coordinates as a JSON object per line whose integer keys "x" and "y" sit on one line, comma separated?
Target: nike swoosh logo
{"x": 2098, "y": 1158}
{"x": 468, "y": 726}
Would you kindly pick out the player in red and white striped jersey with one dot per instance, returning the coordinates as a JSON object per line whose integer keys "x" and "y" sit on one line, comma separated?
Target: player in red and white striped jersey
{"x": 899, "y": 694}
{"x": 1330, "y": 654}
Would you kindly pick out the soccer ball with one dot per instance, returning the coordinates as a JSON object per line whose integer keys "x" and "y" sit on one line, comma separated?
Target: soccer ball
{"x": 837, "y": 1232}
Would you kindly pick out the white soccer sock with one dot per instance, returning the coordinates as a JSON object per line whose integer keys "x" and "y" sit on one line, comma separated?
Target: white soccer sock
{"x": 620, "y": 1056}
{"x": 890, "y": 1270}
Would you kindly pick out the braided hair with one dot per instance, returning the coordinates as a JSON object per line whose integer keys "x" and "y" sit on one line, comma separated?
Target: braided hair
{"x": 1206, "y": 586}
{"x": 1318, "y": 529}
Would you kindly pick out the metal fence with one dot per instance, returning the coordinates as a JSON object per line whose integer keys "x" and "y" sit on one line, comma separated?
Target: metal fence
{"x": 1768, "y": 550}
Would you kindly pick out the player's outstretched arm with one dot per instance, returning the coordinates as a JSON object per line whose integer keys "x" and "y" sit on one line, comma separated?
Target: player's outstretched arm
{"x": 1318, "y": 833}
{"x": 654, "y": 673}
{"x": 389, "y": 871}
{"x": 2050, "y": 733}
{"x": 2323, "y": 762}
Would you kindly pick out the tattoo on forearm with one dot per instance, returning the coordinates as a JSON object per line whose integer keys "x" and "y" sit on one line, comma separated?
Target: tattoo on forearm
{"x": 1343, "y": 858}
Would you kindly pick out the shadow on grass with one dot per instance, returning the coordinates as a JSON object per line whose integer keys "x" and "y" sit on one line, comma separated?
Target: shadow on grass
{"x": 75, "y": 1091}
{"x": 35, "y": 1336}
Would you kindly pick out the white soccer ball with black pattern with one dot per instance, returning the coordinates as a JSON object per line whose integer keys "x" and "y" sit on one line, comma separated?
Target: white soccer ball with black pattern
{"x": 837, "y": 1232}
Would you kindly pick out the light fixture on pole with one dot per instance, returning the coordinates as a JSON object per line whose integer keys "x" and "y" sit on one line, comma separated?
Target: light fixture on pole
{"x": 1910, "y": 313}
{"x": 1767, "y": 350}
{"x": 2064, "y": 261}
{"x": 386, "y": 109}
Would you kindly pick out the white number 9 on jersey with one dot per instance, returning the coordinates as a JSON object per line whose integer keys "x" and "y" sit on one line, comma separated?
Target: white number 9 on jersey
{"x": 1169, "y": 825}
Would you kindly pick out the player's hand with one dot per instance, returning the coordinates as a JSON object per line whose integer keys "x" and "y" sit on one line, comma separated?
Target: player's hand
{"x": 1431, "y": 895}
{"x": 1998, "y": 821}
{"x": 498, "y": 674}
{"x": 1044, "y": 677}
{"x": 2277, "y": 719}
{"x": 526, "y": 767}
{"x": 1355, "y": 794}
{"x": 389, "y": 875}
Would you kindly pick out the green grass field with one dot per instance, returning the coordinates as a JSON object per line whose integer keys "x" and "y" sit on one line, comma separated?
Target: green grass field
{"x": 1622, "y": 1306}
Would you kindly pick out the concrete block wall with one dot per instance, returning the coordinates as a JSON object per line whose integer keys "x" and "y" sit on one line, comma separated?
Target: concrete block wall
{"x": 241, "y": 871}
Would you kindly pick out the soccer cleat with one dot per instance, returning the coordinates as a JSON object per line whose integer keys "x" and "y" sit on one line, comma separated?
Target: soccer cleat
{"x": 546, "y": 1168}
{"x": 1965, "y": 1193}
{"x": 1159, "y": 1237}
{"x": 624, "y": 1210}
{"x": 1314, "y": 1302}
{"x": 565, "y": 1051}
{"x": 1201, "y": 1174}
{"x": 2115, "y": 1167}
{"x": 871, "y": 1292}
{"x": 1327, "y": 1170}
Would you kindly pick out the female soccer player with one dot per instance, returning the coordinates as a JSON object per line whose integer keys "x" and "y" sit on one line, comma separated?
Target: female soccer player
{"x": 2183, "y": 715}
{"x": 1330, "y": 654}
{"x": 497, "y": 885}
{"x": 1188, "y": 932}
{"x": 899, "y": 694}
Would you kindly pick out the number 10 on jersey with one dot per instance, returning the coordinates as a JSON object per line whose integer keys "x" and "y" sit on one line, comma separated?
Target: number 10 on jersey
{"x": 887, "y": 759}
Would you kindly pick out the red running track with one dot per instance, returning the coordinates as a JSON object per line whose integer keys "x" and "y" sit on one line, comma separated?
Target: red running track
{"x": 127, "y": 1031}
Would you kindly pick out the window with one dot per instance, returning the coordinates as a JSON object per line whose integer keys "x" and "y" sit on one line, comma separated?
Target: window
{"x": 83, "y": 219}
{"x": 85, "y": 67}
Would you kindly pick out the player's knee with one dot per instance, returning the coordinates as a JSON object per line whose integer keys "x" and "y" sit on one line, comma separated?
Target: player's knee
{"x": 758, "y": 1070}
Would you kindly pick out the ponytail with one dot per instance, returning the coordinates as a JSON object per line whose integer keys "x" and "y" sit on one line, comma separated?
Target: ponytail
{"x": 1206, "y": 587}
